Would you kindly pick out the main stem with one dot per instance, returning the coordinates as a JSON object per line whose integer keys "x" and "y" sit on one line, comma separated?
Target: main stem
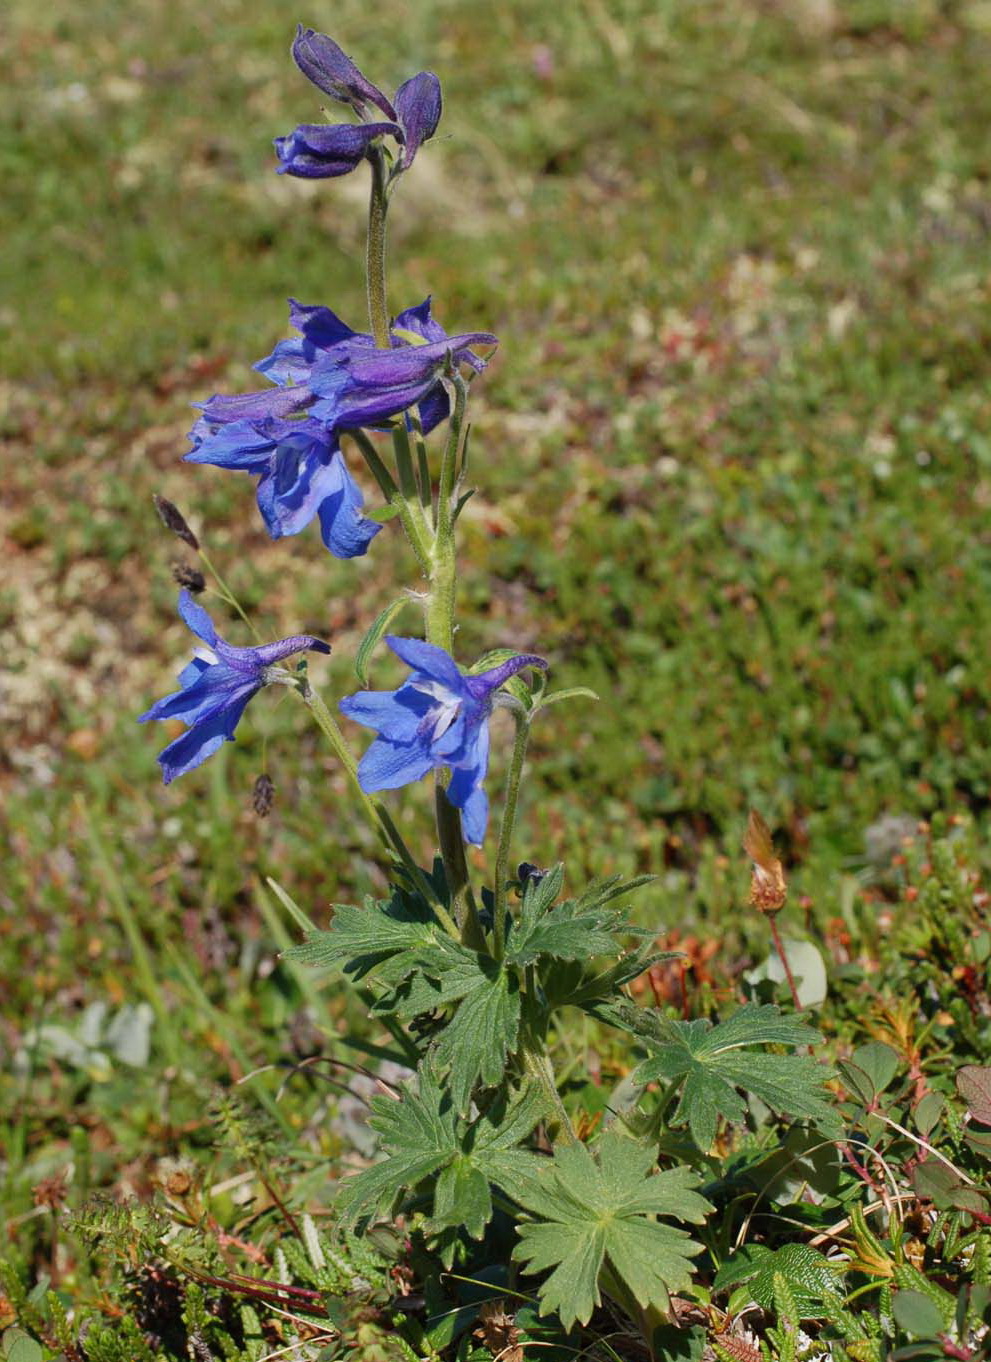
{"x": 440, "y": 631}
{"x": 378, "y": 204}
{"x": 506, "y": 833}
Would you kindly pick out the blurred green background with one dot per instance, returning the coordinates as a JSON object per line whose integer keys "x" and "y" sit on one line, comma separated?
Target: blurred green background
{"x": 733, "y": 460}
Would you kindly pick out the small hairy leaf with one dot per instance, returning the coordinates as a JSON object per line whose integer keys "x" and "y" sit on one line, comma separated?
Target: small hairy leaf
{"x": 713, "y": 1063}
{"x": 374, "y": 637}
{"x": 596, "y": 1212}
{"x": 482, "y": 1033}
{"x": 578, "y": 929}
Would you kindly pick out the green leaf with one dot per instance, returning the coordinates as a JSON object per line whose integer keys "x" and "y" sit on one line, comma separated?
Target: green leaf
{"x": 974, "y": 1086}
{"x": 808, "y": 1274}
{"x": 572, "y": 693}
{"x": 481, "y": 1035}
{"x": 578, "y": 929}
{"x": 712, "y": 1064}
{"x": 358, "y": 939}
{"x": 374, "y": 637}
{"x": 595, "y": 1215}
{"x": 916, "y": 1314}
{"x": 422, "y": 1136}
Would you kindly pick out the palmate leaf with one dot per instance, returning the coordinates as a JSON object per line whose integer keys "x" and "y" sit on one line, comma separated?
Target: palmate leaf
{"x": 713, "y": 1062}
{"x": 423, "y": 1137}
{"x": 361, "y": 938}
{"x": 595, "y": 1217}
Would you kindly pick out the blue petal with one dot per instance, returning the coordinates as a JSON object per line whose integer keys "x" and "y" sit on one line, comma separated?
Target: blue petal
{"x": 465, "y": 790}
{"x": 427, "y": 658}
{"x": 435, "y": 407}
{"x": 240, "y": 444}
{"x": 201, "y": 741}
{"x": 289, "y": 363}
{"x": 320, "y": 326}
{"x": 212, "y": 692}
{"x": 387, "y": 765}
{"x": 273, "y": 402}
{"x": 395, "y": 713}
{"x": 346, "y": 532}
{"x": 420, "y": 322}
{"x": 196, "y": 619}
{"x": 314, "y": 151}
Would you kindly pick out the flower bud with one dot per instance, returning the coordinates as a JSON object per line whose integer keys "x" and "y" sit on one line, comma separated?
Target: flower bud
{"x": 173, "y": 519}
{"x": 189, "y": 577}
{"x": 263, "y": 795}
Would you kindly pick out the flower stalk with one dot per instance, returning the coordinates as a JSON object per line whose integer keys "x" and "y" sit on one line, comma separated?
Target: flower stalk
{"x": 378, "y": 207}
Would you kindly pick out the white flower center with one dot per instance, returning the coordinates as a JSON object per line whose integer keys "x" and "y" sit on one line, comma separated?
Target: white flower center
{"x": 443, "y": 715}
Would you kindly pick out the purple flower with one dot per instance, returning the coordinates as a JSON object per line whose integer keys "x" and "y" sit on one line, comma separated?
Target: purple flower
{"x": 344, "y": 381}
{"x": 316, "y": 151}
{"x": 215, "y": 687}
{"x": 328, "y": 379}
{"x": 300, "y": 469}
{"x": 439, "y": 717}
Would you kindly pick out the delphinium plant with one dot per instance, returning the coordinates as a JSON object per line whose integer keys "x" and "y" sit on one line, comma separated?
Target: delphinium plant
{"x": 480, "y": 1162}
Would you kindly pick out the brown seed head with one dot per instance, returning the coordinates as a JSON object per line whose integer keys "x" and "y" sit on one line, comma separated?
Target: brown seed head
{"x": 173, "y": 519}
{"x": 768, "y": 889}
{"x": 497, "y": 1330}
{"x": 263, "y": 795}
{"x": 189, "y": 577}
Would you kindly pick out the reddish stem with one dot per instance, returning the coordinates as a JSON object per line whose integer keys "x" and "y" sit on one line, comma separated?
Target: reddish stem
{"x": 779, "y": 947}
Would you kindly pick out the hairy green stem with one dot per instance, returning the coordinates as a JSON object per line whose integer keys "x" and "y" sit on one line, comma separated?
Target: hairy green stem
{"x": 408, "y": 487}
{"x": 378, "y": 204}
{"x": 506, "y": 832}
{"x": 440, "y": 631}
{"x": 414, "y": 524}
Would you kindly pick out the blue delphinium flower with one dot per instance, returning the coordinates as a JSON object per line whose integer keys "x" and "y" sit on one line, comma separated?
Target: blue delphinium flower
{"x": 215, "y": 687}
{"x": 301, "y": 474}
{"x": 327, "y": 362}
{"x": 317, "y": 151}
{"x": 438, "y": 717}
{"x": 328, "y": 379}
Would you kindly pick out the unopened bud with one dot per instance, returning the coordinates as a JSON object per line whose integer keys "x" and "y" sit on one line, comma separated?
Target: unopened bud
{"x": 189, "y": 577}
{"x": 527, "y": 872}
{"x": 173, "y": 519}
{"x": 263, "y": 796}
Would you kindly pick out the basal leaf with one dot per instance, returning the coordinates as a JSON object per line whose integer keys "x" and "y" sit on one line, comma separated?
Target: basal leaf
{"x": 713, "y": 1063}
{"x": 595, "y": 1213}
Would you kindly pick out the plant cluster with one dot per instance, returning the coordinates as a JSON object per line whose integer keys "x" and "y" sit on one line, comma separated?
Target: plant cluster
{"x": 732, "y": 1193}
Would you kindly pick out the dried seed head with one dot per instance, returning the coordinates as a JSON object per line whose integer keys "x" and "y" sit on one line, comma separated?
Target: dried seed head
{"x": 189, "y": 577}
{"x": 263, "y": 795}
{"x": 768, "y": 890}
{"x": 497, "y": 1330}
{"x": 173, "y": 519}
